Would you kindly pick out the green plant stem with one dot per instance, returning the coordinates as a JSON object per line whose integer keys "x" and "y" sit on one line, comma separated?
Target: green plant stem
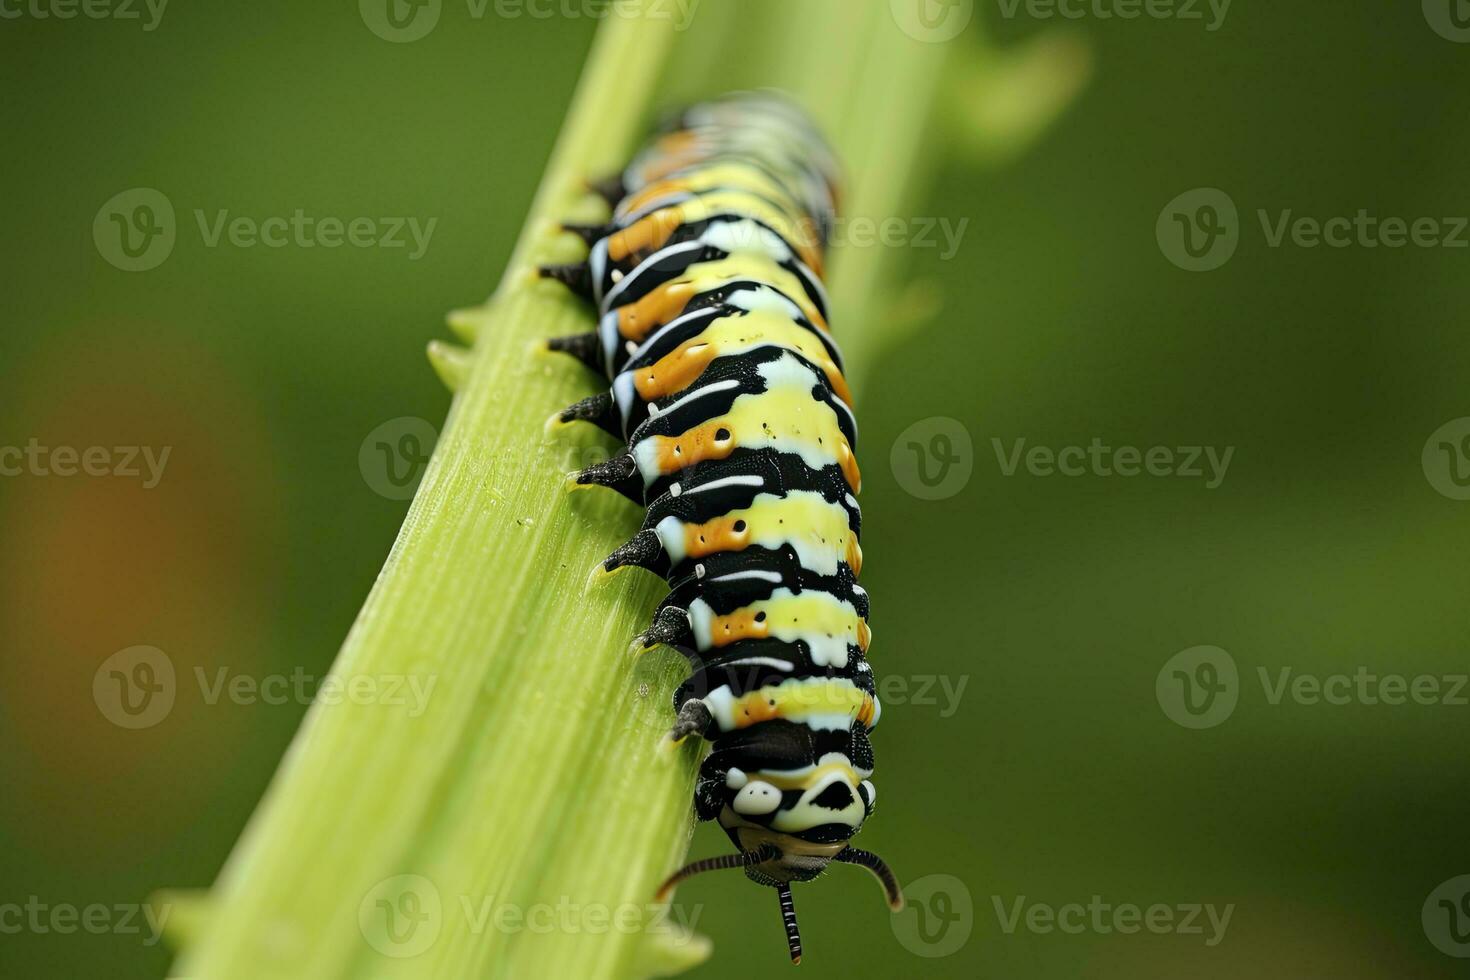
{"x": 534, "y": 767}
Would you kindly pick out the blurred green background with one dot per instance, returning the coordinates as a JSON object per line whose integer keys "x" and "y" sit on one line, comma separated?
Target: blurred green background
{"x": 1056, "y": 776}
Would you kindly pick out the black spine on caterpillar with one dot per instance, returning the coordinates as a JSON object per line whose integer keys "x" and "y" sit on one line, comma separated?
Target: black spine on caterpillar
{"x": 728, "y": 389}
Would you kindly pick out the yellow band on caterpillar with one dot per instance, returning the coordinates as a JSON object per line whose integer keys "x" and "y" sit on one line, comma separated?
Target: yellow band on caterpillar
{"x": 732, "y": 335}
{"x": 638, "y": 319}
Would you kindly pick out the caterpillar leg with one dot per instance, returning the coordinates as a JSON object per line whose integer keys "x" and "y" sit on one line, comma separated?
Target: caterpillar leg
{"x": 577, "y": 276}
{"x": 709, "y": 791}
{"x": 600, "y": 410}
{"x": 694, "y": 718}
{"x": 642, "y": 551}
{"x": 619, "y": 473}
{"x": 670, "y": 628}
{"x": 588, "y": 233}
{"x": 585, "y": 347}
{"x": 610, "y": 189}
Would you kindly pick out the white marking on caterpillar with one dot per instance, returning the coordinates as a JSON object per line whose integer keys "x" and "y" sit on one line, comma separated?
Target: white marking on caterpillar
{"x": 729, "y": 481}
{"x": 738, "y": 576}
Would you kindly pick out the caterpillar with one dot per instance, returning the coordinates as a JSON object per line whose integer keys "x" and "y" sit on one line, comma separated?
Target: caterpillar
{"x": 727, "y": 388}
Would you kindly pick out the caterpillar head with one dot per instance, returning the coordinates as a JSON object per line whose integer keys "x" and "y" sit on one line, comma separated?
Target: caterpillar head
{"x": 807, "y": 816}
{"x": 789, "y": 826}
